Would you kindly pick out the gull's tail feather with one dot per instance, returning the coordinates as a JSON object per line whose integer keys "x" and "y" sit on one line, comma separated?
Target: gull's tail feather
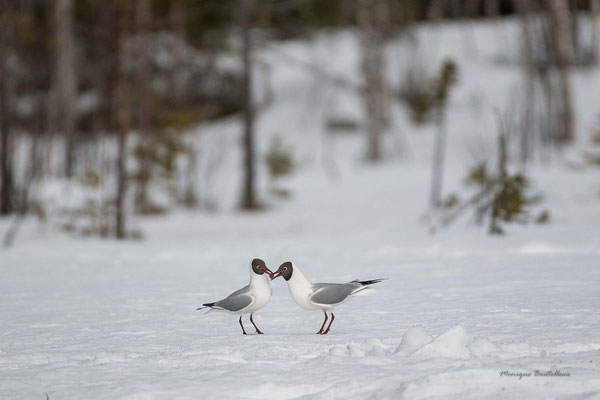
{"x": 206, "y": 305}
{"x": 370, "y": 282}
{"x": 365, "y": 288}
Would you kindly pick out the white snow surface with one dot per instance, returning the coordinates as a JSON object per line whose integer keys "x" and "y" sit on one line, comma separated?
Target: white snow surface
{"x": 103, "y": 319}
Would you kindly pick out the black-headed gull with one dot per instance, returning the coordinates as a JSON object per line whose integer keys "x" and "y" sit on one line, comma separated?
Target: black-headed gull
{"x": 250, "y": 298}
{"x": 318, "y": 296}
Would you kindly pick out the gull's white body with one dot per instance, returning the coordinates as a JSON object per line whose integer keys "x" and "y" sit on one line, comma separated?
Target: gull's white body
{"x": 248, "y": 299}
{"x": 260, "y": 290}
{"x": 303, "y": 291}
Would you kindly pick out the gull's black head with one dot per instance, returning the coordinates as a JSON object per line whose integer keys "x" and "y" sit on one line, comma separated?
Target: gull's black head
{"x": 284, "y": 270}
{"x": 259, "y": 267}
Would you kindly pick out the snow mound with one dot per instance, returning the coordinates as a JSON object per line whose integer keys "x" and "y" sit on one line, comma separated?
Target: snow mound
{"x": 414, "y": 338}
{"x": 454, "y": 343}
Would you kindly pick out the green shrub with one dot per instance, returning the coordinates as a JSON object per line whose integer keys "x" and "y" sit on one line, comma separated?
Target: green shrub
{"x": 543, "y": 217}
{"x": 417, "y": 96}
{"x": 279, "y": 159}
{"x": 422, "y": 95}
{"x": 500, "y": 197}
{"x": 280, "y": 162}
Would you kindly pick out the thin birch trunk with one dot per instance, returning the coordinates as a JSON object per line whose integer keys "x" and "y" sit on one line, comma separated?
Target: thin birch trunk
{"x": 65, "y": 86}
{"x": 143, "y": 19}
{"x": 180, "y": 76}
{"x": 439, "y": 151}
{"x": 6, "y": 170}
{"x": 371, "y": 18}
{"x": 528, "y": 70}
{"x": 249, "y": 200}
{"x": 595, "y": 12}
{"x": 123, "y": 114}
{"x": 564, "y": 52}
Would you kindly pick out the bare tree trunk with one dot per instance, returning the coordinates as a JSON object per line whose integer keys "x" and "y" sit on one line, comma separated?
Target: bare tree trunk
{"x": 595, "y": 11}
{"x": 6, "y": 172}
{"x": 5, "y": 154}
{"x": 526, "y": 123}
{"x": 190, "y": 197}
{"x": 65, "y": 80}
{"x": 123, "y": 114}
{"x": 564, "y": 50}
{"x": 35, "y": 86}
{"x": 472, "y": 8}
{"x": 492, "y": 8}
{"x": 439, "y": 151}
{"x": 495, "y": 228}
{"x": 180, "y": 76}
{"x": 121, "y": 176}
{"x": 248, "y": 192}
{"x": 434, "y": 10}
{"x": 456, "y": 8}
{"x": 371, "y": 18}
{"x": 181, "y": 80}
{"x": 447, "y": 79}
{"x": 574, "y": 20}
{"x": 550, "y": 124}
{"x": 21, "y": 196}
{"x": 143, "y": 16}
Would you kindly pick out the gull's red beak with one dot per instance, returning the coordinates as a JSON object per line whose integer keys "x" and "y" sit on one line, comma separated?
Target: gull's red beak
{"x": 273, "y": 276}
{"x": 268, "y": 272}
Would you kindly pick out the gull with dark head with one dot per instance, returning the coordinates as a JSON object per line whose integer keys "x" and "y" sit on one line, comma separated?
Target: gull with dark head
{"x": 250, "y": 298}
{"x": 319, "y": 296}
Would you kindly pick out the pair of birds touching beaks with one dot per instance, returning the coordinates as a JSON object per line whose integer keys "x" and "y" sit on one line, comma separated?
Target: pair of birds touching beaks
{"x": 309, "y": 296}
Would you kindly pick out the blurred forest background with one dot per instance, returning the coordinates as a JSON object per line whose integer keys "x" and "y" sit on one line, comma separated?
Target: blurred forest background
{"x": 102, "y": 95}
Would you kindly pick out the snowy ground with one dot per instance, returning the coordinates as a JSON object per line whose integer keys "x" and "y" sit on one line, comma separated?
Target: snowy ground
{"x": 101, "y": 319}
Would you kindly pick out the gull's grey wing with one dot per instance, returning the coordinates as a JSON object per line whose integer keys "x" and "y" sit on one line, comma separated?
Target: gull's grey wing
{"x": 236, "y": 301}
{"x": 332, "y": 293}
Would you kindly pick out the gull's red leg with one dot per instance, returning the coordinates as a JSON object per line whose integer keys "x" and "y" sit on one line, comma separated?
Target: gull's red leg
{"x": 329, "y": 326}
{"x": 322, "y": 326}
{"x": 255, "y": 327}
{"x": 243, "y": 330}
